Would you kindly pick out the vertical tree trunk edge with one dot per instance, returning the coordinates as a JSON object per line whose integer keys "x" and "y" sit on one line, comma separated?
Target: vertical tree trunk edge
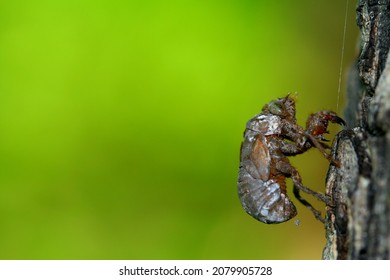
{"x": 358, "y": 221}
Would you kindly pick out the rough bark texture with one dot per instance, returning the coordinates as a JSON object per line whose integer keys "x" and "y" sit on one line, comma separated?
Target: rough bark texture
{"x": 358, "y": 222}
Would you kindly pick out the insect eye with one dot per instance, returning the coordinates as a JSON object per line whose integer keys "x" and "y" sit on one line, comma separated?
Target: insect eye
{"x": 276, "y": 108}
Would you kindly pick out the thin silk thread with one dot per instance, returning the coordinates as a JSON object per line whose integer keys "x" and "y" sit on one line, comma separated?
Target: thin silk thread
{"x": 342, "y": 54}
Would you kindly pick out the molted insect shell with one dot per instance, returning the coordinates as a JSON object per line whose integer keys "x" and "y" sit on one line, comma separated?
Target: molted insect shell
{"x": 262, "y": 197}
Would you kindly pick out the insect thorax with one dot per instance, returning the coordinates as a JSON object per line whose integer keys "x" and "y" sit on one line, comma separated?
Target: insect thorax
{"x": 265, "y": 124}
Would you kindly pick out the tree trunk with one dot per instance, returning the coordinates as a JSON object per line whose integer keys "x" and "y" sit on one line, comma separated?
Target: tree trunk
{"x": 358, "y": 222}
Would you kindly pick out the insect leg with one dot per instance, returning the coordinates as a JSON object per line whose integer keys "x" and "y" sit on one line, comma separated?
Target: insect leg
{"x": 286, "y": 168}
{"x": 292, "y": 149}
{"x": 315, "y": 212}
{"x": 320, "y": 147}
{"x": 298, "y": 183}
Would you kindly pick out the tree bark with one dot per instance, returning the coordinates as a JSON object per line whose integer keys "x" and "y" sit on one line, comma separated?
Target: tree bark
{"x": 358, "y": 221}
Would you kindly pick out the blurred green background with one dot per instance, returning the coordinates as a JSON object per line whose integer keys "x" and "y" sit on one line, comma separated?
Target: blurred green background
{"x": 121, "y": 123}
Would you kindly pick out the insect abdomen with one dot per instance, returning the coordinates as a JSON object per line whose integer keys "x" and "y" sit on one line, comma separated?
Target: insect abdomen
{"x": 260, "y": 196}
{"x": 264, "y": 200}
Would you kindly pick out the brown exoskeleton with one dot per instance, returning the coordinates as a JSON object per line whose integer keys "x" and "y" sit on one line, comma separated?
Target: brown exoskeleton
{"x": 270, "y": 137}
